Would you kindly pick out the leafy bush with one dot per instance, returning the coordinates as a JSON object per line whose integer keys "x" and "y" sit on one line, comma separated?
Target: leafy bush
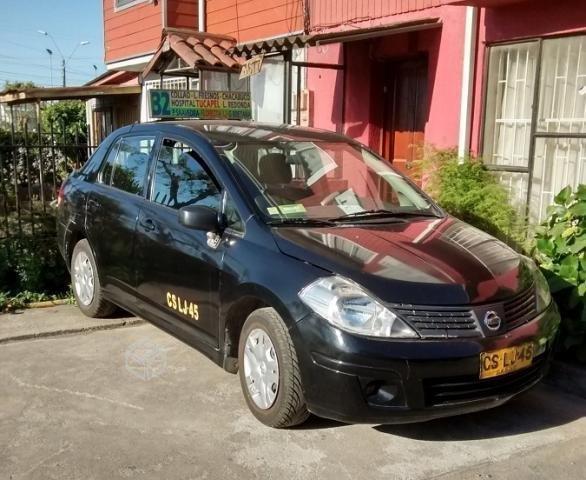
{"x": 471, "y": 193}
{"x": 32, "y": 264}
{"x": 560, "y": 250}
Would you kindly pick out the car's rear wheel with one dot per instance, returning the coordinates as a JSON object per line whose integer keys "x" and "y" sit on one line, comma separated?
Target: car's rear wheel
{"x": 269, "y": 371}
{"x": 86, "y": 283}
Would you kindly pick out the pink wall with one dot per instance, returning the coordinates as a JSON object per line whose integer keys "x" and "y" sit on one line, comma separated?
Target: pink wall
{"x": 327, "y": 86}
{"x": 443, "y": 46}
{"x": 538, "y": 18}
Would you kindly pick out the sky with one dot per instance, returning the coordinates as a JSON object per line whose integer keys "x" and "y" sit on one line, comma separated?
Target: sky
{"x": 23, "y": 54}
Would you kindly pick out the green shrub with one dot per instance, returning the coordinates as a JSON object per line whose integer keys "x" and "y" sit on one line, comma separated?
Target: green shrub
{"x": 32, "y": 264}
{"x": 560, "y": 250}
{"x": 471, "y": 193}
{"x": 39, "y": 266}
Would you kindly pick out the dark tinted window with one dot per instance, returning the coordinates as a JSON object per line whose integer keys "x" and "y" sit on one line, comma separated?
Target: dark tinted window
{"x": 106, "y": 170}
{"x": 233, "y": 219}
{"x": 181, "y": 180}
{"x": 131, "y": 163}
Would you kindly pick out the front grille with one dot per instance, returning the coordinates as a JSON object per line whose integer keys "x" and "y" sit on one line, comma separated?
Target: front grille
{"x": 452, "y": 322}
{"x": 520, "y": 309}
{"x": 441, "y": 322}
{"x": 445, "y": 391}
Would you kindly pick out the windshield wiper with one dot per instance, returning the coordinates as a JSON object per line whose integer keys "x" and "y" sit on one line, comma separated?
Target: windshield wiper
{"x": 314, "y": 222}
{"x": 381, "y": 213}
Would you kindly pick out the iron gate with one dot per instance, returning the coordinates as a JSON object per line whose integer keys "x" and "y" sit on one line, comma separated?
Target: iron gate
{"x": 33, "y": 164}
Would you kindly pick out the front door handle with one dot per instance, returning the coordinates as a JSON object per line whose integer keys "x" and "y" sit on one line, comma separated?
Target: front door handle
{"x": 147, "y": 224}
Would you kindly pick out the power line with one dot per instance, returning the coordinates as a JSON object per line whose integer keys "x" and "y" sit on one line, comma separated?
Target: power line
{"x": 23, "y": 75}
{"x": 38, "y": 65}
{"x": 23, "y": 46}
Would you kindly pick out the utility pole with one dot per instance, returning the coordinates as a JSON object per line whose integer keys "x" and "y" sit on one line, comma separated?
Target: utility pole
{"x": 63, "y": 60}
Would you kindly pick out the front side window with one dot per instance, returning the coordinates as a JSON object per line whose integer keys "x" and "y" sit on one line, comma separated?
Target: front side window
{"x": 321, "y": 180}
{"x": 233, "y": 218}
{"x": 180, "y": 178}
{"x": 127, "y": 164}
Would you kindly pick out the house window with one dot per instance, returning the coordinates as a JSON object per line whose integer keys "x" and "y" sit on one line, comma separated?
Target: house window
{"x": 121, "y": 4}
{"x": 535, "y": 124}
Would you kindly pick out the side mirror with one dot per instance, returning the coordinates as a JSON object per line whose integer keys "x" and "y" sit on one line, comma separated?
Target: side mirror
{"x": 199, "y": 217}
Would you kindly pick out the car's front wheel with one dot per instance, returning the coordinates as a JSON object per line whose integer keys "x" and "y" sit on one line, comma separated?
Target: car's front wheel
{"x": 269, "y": 371}
{"x": 86, "y": 283}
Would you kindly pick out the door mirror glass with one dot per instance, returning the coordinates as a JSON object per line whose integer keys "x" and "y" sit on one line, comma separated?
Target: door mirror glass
{"x": 199, "y": 217}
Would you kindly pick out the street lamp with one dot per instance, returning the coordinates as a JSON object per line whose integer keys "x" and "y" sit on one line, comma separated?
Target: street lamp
{"x": 63, "y": 60}
{"x": 50, "y": 52}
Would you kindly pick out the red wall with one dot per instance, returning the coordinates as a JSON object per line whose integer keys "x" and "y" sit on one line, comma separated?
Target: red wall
{"x": 327, "y": 14}
{"x": 444, "y": 49}
{"x": 182, "y": 13}
{"x": 538, "y": 18}
{"x": 248, "y": 20}
{"x": 131, "y": 32}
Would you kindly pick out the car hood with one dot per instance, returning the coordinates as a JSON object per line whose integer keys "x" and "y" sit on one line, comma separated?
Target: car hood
{"x": 428, "y": 261}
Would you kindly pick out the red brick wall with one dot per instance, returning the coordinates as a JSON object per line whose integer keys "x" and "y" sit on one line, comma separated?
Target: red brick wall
{"x": 248, "y": 20}
{"x": 131, "y": 32}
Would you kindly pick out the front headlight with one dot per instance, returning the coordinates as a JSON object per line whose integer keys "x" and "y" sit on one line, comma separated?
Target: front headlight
{"x": 347, "y": 306}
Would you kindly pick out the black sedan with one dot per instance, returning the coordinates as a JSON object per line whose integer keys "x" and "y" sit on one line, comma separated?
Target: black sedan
{"x": 301, "y": 260}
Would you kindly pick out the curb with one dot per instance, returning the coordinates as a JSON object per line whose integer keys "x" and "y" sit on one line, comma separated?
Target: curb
{"x": 73, "y": 331}
{"x": 567, "y": 377}
{"x": 49, "y": 303}
{"x": 43, "y": 304}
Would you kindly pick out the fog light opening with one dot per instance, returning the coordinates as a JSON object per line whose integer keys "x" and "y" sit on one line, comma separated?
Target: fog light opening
{"x": 381, "y": 394}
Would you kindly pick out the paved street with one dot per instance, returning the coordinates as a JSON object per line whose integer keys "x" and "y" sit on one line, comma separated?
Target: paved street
{"x": 84, "y": 406}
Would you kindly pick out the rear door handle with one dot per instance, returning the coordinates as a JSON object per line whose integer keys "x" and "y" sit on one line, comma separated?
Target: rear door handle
{"x": 147, "y": 224}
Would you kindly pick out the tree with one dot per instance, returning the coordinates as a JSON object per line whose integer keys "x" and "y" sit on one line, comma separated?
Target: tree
{"x": 67, "y": 120}
{"x": 67, "y": 115}
{"x": 17, "y": 85}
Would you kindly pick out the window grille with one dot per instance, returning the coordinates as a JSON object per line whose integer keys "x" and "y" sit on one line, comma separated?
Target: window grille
{"x": 537, "y": 151}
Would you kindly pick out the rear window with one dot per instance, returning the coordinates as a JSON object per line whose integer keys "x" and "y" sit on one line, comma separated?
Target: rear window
{"x": 127, "y": 163}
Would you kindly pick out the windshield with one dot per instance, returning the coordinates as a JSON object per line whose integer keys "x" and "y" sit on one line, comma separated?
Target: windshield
{"x": 319, "y": 180}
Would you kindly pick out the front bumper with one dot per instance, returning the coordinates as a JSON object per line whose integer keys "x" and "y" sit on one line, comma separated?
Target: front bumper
{"x": 364, "y": 380}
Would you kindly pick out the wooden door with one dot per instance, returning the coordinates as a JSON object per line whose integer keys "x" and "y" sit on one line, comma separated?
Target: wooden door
{"x": 405, "y": 112}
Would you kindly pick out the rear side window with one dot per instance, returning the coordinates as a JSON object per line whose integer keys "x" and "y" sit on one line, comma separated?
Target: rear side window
{"x": 127, "y": 163}
{"x": 181, "y": 180}
{"x": 105, "y": 174}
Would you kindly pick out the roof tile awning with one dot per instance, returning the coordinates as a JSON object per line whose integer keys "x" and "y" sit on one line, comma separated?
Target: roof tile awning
{"x": 282, "y": 44}
{"x": 273, "y": 45}
{"x": 197, "y": 50}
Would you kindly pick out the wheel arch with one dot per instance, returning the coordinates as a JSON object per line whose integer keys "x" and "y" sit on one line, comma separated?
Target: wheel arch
{"x": 73, "y": 237}
{"x": 251, "y": 298}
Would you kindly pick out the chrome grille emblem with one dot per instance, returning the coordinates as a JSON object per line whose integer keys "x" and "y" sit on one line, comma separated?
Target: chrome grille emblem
{"x": 492, "y": 320}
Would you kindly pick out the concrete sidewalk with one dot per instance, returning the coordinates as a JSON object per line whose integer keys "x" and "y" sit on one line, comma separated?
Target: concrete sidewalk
{"x": 77, "y": 406}
{"x": 54, "y": 321}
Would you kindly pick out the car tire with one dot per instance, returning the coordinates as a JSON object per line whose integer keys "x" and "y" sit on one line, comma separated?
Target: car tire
{"x": 85, "y": 283}
{"x": 286, "y": 406}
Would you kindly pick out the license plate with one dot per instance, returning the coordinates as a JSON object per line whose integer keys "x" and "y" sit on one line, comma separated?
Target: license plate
{"x": 506, "y": 360}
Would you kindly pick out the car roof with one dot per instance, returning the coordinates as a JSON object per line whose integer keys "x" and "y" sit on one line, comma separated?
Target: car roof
{"x": 222, "y": 131}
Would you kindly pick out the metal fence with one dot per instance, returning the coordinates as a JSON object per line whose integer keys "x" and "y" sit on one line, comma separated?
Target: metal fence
{"x": 33, "y": 164}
